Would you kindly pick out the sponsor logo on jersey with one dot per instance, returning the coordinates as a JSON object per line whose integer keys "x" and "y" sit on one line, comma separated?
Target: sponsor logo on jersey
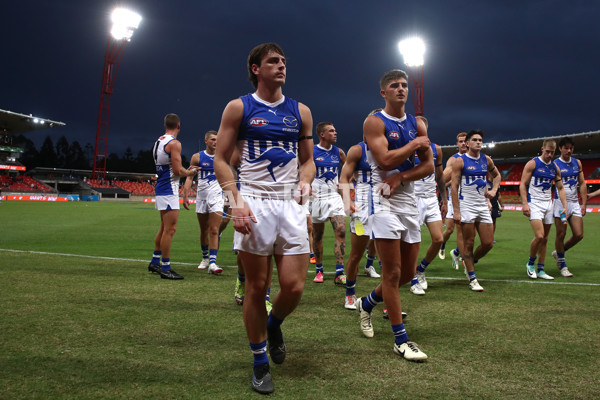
{"x": 394, "y": 135}
{"x": 290, "y": 121}
{"x": 258, "y": 122}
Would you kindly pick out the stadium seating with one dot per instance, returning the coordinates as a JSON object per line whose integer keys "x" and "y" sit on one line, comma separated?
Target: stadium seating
{"x": 23, "y": 184}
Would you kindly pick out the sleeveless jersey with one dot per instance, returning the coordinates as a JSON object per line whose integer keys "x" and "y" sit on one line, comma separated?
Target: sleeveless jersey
{"x": 398, "y": 132}
{"x": 166, "y": 183}
{"x": 326, "y": 179}
{"x": 569, "y": 173}
{"x": 208, "y": 187}
{"x": 540, "y": 186}
{"x": 426, "y": 187}
{"x": 473, "y": 184}
{"x": 268, "y": 145}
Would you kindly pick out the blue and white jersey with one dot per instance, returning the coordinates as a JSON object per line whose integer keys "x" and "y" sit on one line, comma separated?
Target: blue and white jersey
{"x": 569, "y": 173}
{"x": 327, "y": 163}
{"x": 540, "y": 186}
{"x": 398, "y": 132}
{"x": 166, "y": 183}
{"x": 208, "y": 187}
{"x": 426, "y": 187}
{"x": 268, "y": 145}
{"x": 473, "y": 183}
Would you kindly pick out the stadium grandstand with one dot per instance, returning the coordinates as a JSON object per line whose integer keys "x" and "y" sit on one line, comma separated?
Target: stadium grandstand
{"x": 18, "y": 181}
{"x": 511, "y": 156}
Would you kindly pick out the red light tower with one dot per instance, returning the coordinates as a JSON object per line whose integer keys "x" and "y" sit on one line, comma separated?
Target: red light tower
{"x": 412, "y": 51}
{"x": 125, "y": 22}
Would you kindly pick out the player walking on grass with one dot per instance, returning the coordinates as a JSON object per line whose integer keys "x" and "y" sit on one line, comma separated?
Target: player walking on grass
{"x": 469, "y": 199}
{"x": 327, "y": 202}
{"x": 357, "y": 168}
{"x": 536, "y": 195}
{"x": 167, "y": 157}
{"x": 571, "y": 173}
{"x": 430, "y": 213}
{"x": 209, "y": 203}
{"x": 273, "y": 136}
{"x": 393, "y": 138}
{"x": 461, "y": 144}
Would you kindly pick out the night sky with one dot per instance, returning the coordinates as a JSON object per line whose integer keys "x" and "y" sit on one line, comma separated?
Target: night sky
{"x": 516, "y": 69}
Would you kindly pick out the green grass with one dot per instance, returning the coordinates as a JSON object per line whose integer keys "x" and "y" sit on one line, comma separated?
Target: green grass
{"x": 102, "y": 327}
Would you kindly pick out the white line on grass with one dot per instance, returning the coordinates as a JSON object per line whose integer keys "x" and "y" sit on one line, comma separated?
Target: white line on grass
{"x": 326, "y": 273}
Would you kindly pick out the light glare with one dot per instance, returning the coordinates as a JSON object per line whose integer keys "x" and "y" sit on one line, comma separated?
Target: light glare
{"x": 412, "y": 50}
{"x": 125, "y": 22}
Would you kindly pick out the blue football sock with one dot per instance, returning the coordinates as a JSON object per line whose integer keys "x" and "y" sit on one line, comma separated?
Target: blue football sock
{"x": 350, "y": 285}
{"x": 273, "y": 322}
{"x": 260, "y": 352}
{"x": 156, "y": 257}
{"x": 400, "y": 333}
{"x": 443, "y": 246}
{"x": 319, "y": 267}
{"x": 339, "y": 269}
{"x": 204, "y": 251}
{"x": 369, "y": 262}
{"x": 268, "y": 298}
{"x": 422, "y": 266}
{"x": 472, "y": 276}
{"x": 540, "y": 267}
{"x": 213, "y": 256}
{"x": 371, "y": 301}
{"x": 166, "y": 264}
{"x": 531, "y": 260}
{"x": 241, "y": 277}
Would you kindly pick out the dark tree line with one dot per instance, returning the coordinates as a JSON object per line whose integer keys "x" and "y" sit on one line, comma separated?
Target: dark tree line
{"x": 74, "y": 156}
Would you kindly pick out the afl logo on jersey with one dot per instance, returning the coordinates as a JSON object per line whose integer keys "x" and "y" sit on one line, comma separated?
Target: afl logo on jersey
{"x": 563, "y": 171}
{"x": 319, "y": 159}
{"x": 290, "y": 121}
{"x": 541, "y": 170}
{"x": 471, "y": 168}
{"x": 205, "y": 164}
{"x": 394, "y": 135}
{"x": 258, "y": 122}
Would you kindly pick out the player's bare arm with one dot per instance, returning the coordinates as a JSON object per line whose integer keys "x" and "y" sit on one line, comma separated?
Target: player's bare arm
{"x": 307, "y": 169}
{"x": 525, "y": 179}
{"x": 495, "y": 174}
{"x": 374, "y": 132}
{"x": 228, "y": 132}
{"x": 582, "y": 189}
{"x": 189, "y": 180}
{"x": 346, "y": 175}
{"x": 457, "y": 167}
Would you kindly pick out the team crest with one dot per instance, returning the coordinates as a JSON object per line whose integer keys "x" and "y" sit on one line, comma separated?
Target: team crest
{"x": 412, "y": 133}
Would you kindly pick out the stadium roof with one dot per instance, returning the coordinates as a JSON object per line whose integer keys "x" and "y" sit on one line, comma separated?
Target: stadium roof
{"x": 11, "y": 122}
{"x": 587, "y": 145}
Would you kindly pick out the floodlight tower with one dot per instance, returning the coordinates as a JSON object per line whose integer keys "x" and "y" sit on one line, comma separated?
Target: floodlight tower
{"x": 413, "y": 50}
{"x": 124, "y": 23}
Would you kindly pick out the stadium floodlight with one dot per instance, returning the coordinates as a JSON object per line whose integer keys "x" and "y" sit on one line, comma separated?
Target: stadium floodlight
{"x": 124, "y": 24}
{"x": 413, "y": 52}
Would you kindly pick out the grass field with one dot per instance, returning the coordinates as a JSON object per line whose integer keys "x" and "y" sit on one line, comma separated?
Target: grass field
{"x": 81, "y": 318}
